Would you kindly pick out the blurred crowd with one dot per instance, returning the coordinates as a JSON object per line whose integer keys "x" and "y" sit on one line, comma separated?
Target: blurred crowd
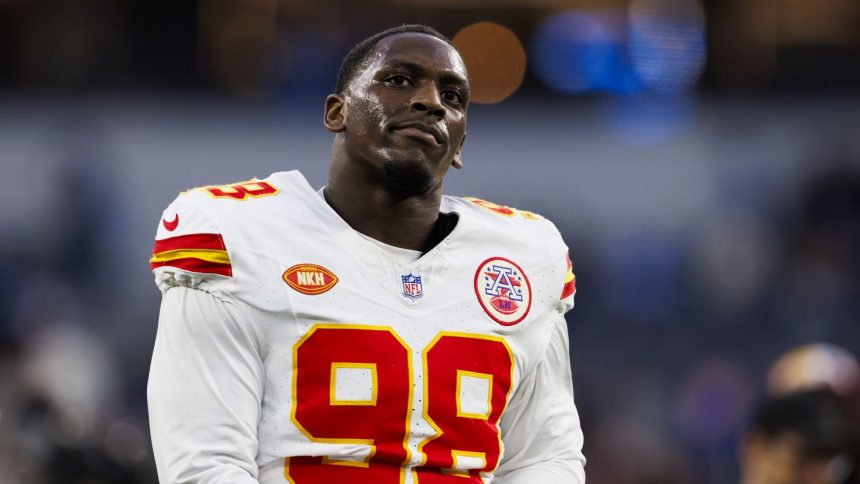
{"x": 691, "y": 341}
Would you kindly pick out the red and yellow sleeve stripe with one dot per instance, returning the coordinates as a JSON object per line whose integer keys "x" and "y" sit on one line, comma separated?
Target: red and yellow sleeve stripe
{"x": 569, "y": 280}
{"x": 203, "y": 253}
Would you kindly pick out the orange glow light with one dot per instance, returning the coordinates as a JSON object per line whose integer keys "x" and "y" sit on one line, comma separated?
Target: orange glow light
{"x": 495, "y": 59}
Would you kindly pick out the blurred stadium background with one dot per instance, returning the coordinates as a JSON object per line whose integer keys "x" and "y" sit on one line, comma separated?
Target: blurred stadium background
{"x": 702, "y": 159}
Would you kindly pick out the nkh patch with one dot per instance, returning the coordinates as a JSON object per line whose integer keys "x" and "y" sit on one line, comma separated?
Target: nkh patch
{"x": 411, "y": 286}
{"x": 503, "y": 290}
{"x": 310, "y": 279}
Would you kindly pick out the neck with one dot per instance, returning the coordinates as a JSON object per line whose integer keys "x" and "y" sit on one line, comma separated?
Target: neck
{"x": 370, "y": 207}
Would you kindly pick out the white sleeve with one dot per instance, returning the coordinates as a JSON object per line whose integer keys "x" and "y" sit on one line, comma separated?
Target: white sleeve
{"x": 540, "y": 428}
{"x": 205, "y": 389}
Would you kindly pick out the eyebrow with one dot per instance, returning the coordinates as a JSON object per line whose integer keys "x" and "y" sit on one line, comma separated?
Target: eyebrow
{"x": 447, "y": 76}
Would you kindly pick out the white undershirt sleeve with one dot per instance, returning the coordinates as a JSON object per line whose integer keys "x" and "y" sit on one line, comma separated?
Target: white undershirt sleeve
{"x": 540, "y": 428}
{"x": 204, "y": 393}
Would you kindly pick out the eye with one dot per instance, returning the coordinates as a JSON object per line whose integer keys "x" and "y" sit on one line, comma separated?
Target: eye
{"x": 398, "y": 80}
{"x": 452, "y": 97}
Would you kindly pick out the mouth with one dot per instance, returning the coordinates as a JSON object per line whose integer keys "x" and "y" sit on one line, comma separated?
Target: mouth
{"x": 420, "y": 131}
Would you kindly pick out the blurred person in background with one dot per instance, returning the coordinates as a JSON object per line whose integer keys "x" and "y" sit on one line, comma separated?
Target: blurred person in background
{"x": 805, "y": 437}
{"x": 247, "y": 384}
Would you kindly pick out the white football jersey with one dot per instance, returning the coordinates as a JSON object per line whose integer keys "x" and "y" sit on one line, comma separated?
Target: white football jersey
{"x": 291, "y": 348}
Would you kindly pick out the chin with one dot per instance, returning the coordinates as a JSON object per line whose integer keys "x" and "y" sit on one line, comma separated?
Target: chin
{"x": 408, "y": 178}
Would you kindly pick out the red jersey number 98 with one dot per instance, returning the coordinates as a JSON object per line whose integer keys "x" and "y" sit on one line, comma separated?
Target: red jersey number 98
{"x": 467, "y": 379}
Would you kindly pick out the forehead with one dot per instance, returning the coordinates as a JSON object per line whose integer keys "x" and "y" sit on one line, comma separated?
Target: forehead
{"x": 421, "y": 49}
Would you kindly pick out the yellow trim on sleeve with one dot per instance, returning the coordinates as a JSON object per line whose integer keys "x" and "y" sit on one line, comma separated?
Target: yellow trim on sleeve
{"x": 208, "y": 255}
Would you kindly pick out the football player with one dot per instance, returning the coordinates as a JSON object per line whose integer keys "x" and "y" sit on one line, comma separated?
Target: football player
{"x": 373, "y": 331}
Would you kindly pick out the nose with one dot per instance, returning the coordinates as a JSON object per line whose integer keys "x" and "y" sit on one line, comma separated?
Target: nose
{"x": 426, "y": 99}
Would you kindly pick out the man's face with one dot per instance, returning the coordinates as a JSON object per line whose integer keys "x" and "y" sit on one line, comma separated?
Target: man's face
{"x": 405, "y": 113}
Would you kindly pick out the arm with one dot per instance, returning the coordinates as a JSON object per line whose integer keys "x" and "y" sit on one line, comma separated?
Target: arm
{"x": 540, "y": 428}
{"x": 205, "y": 389}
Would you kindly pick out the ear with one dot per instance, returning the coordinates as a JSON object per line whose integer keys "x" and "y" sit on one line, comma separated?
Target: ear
{"x": 457, "y": 162}
{"x": 334, "y": 117}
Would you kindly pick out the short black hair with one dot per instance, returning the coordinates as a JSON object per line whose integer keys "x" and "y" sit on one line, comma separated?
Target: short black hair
{"x": 816, "y": 416}
{"x": 357, "y": 58}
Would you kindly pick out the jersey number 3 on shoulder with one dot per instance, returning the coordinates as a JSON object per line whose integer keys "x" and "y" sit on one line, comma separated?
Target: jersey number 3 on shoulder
{"x": 467, "y": 379}
{"x": 242, "y": 190}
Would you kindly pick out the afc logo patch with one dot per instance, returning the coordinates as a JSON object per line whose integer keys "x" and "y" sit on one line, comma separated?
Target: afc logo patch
{"x": 411, "y": 286}
{"x": 503, "y": 290}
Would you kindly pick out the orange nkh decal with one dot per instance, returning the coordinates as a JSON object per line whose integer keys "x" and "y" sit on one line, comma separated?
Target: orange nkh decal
{"x": 310, "y": 279}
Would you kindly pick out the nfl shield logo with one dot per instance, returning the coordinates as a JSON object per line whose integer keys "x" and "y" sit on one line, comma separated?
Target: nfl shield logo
{"x": 412, "y": 287}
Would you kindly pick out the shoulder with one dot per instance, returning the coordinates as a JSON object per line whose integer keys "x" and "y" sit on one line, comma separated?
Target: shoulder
{"x": 196, "y": 239}
{"x": 218, "y": 198}
{"x": 525, "y": 231}
{"x": 211, "y": 208}
{"x": 242, "y": 202}
{"x": 511, "y": 223}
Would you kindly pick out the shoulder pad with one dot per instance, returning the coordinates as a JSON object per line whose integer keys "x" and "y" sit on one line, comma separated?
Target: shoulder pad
{"x": 546, "y": 236}
{"x": 189, "y": 248}
{"x": 239, "y": 191}
{"x": 503, "y": 210}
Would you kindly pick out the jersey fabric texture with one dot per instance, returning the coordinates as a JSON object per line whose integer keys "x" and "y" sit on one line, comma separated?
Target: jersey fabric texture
{"x": 292, "y": 349}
